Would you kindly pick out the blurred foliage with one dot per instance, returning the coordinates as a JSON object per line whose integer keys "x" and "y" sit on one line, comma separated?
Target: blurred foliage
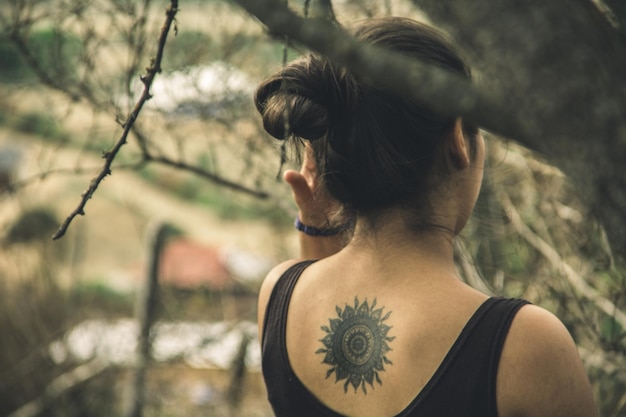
{"x": 34, "y": 312}
{"x": 95, "y": 52}
{"x": 532, "y": 237}
{"x": 56, "y": 51}
{"x": 189, "y": 48}
{"x": 98, "y": 299}
{"x": 32, "y": 226}
{"x": 13, "y": 67}
{"x": 223, "y": 202}
{"x": 39, "y": 124}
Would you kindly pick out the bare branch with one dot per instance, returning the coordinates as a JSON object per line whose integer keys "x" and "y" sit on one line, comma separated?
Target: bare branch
{"x": 40, "y": 176}
{"x": 151, "y": 72}
{"x": 147, "y": 156}
{"x": 207, "y": 175}
{"x": 573, "y": 278}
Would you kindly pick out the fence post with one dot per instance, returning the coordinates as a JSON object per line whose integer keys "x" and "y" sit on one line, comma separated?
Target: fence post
{"x": 234, "y": 394}
{"x": 145, "y": 311}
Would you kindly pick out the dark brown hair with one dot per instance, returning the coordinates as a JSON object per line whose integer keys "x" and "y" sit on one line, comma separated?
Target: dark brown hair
{"x": 373, "y": 149}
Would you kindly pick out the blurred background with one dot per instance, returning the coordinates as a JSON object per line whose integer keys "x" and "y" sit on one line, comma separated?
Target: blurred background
{"x": 147, "y": 305}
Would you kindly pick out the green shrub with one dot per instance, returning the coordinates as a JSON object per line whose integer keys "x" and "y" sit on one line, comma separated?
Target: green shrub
{"x": 188, "y": 49}
{"x": 57, "y": 54}
{"x": 96, "y": 298}
{"x": 32, "y": 226}
{"x": 12, "y": 67}
{"x": 43, "y": 125}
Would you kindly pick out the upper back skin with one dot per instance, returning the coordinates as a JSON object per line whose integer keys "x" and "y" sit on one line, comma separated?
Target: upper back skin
{"x": 425, "y": 318}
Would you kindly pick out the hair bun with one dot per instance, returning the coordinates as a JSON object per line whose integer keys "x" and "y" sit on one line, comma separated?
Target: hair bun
{"x": 301, "y": 99}
{"x": 285, "y": 112}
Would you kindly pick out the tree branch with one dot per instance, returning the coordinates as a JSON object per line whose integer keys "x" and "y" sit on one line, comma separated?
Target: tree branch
{"x": 443, "y": 92}
{"x": 16, "y": 185}
{"x": 207, "y": 175}
{"x": 536, "y": 63}
{"x": 151, "y": 72}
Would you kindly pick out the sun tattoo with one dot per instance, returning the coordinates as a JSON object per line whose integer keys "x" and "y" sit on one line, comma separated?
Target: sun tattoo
{"x": 356, "y": 344}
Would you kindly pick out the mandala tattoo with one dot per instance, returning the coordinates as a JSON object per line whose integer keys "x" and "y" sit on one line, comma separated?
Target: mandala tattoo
{"x": 356, "y": 344}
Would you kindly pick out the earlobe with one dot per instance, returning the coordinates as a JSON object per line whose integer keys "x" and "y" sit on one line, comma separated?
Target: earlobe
{"x": 458, "y": 153}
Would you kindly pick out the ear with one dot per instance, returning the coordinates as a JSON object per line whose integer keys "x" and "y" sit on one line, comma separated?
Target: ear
{"x": 457, "y": 152}
{"x": 309, "y": 159}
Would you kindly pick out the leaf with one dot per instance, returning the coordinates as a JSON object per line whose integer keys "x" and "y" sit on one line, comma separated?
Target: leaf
{"x": 363, "y": 310}
{"x": 329, "y": 372}
{"x": 327, "y": 341}
{"x": 377, "y": 378}
{"x": 334, "y": 324}
{"x": 348, "y": 313}
{"x": 355, "y": 380}
{"x": 326, "y": 329}
{"x": 341, "y": 373}
{"x": 330, "y": 358}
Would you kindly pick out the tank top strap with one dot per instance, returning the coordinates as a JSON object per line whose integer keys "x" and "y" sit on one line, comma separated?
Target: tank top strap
{"x": 500, "y": 319}
{"x": 278, "y": 304}
{"x": 470, "y": 369}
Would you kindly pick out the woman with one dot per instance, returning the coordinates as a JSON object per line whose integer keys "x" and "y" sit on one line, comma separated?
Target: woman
{"x": 380, "y": 324}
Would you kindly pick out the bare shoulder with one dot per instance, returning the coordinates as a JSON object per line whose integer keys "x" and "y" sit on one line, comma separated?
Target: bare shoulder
{"x": 266, "y": 290}
{"x": 540, "y": 372}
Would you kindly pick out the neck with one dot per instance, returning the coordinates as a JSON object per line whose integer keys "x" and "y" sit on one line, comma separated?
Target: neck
{"x": 391, "y": 242}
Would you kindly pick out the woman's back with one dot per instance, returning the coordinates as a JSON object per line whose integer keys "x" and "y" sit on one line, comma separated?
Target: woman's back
{"x": 437, "y": 355}
{"x": 423, "y": 316}
{"x": 385, "y": 360}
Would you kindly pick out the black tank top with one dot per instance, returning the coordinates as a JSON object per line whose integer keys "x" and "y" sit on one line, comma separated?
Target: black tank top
{"x": 464, "y": 385}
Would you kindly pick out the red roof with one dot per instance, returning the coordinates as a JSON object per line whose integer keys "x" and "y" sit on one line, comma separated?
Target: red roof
{"x": 189, "y": 264}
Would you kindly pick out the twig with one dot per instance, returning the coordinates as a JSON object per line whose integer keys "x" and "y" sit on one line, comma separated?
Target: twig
{"x": 216, "y": 179}
{"x": 151, "y": 72}
{"x": 207, "y": 175}
{"x": 61, "y": 171}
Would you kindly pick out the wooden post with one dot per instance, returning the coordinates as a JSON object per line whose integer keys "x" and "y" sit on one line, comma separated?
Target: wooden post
{"x": 145, "y": 312}
{"x": 234, "y": 394}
